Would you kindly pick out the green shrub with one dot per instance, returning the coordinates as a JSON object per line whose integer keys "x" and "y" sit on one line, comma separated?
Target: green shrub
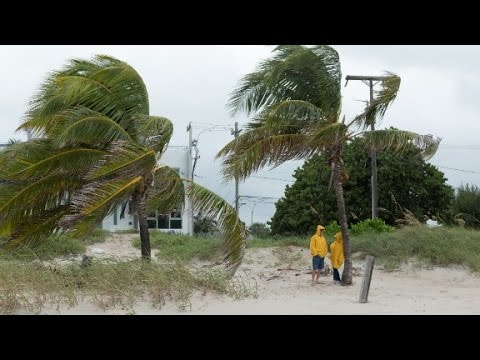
{"x": 332, "y": 228}
{"x": 371, "y": 225}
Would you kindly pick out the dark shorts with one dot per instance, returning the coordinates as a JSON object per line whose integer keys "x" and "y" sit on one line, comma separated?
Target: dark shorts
{"x": 317, "y": 262}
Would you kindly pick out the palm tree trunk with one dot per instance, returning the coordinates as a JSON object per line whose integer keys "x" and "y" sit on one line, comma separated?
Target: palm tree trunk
{"x": 337, "y": 181}
{"x": 140, "y": 207}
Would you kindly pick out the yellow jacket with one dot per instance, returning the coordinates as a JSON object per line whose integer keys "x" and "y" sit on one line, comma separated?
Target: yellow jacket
{"x": 336, "y": 251}
{"x": 318, "y": 244}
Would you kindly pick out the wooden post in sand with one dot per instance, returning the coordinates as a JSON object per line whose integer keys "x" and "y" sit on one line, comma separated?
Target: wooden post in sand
{"x": 366, "y": 279}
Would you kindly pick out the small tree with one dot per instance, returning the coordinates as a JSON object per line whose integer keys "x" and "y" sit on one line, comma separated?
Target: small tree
{"x": 466, "y": 205}
{"x": 309, "y": 201}
{"x": 259, "y": 230}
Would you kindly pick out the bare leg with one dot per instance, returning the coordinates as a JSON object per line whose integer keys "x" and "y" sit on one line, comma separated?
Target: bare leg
{"x": 317, "y": 276}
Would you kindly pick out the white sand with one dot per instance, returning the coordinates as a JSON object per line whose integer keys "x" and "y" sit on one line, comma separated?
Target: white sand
{"x": 452, "y": 290}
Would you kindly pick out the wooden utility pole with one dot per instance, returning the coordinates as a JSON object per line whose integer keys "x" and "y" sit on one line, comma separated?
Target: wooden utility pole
{"x": 190, "y": 176}
{"x": 368, "y": 80}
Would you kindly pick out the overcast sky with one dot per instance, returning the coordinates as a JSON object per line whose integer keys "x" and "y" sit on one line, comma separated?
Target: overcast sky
{"x": 439, "y": 95}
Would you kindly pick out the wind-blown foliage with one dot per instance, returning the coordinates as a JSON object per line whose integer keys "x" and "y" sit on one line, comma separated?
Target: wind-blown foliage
{"x": 295, "y": 98}
{"x": 308, "y": 201}
{"x": 96, "y": 147}
{"x": 466, "y": 205}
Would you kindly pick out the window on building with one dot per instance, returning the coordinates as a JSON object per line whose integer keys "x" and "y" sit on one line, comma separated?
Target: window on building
{"x": 175, "y": 219}
{"x": 163, "y": 221}
{"x": 152, "y": 223}
{"x": 152, "y": 220}
{"x": 176, "y": 214}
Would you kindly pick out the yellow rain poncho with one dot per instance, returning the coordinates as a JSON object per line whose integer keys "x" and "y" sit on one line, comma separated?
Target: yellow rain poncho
{"x": 336, "y": 251}
{"x": 318, "y": 244}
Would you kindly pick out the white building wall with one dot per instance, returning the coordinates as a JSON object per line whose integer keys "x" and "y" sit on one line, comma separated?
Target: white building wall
{"x": 175, "y": 157}
{"x": 125, "y": 223}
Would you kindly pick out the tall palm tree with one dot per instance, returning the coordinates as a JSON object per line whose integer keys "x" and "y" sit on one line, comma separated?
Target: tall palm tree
{"x": 95, "y": 147}
{"x": 296, "y": 101}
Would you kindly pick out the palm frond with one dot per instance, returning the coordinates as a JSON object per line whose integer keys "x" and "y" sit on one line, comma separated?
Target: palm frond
{"x": 97, "y": 199}
{"x": 36, "y": 229}
{"x": 213, "y": 206}
{"x": 124, "y": 159}
{"x": 20, "y": 155}
{"x": 292, "y": 115}
{"x": 382, "y": 100}
{"x": 154, "y": 132}
{"x": 324, "y": 136}
{"x": 19, "y": 201}
{"x": 61, "y": 162}
{"x": 104, "y": 85}
{"x": 86, "y": 127}
{"x": 293, "y": 73}
{"x": 399, "y": 140}
{"x": 251, "y": 151}
{"x": 168, "y": 190}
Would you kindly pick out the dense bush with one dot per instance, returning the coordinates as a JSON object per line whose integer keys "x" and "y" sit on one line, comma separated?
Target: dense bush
{"x": 371, "y": 225}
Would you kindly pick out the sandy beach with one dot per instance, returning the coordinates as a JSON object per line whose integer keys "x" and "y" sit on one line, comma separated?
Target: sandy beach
{"x": 283, "y": 286}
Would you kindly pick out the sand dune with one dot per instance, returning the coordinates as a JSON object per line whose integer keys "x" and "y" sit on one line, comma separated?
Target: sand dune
{"x": 283, "y": 285}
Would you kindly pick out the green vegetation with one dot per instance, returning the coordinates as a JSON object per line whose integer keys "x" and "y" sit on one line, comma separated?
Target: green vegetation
{"x": 62, "y": 245}
{"x": 309, "y": 200}
{"x": 466, "y": 206}
{"x": 259, "y": 230}
{"x": 184, "y": 247}
{"x": 332, "y": 228}
{"x": 371, "y": 226}
{"x": 31, "y": 287}
{"x": 441, "y": 246}
{"x": 204, "y": 225}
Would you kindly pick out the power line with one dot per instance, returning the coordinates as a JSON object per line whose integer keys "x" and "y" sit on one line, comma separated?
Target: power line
{"x": 460, "y": 147}
{"x": 270, "y": 178}
{"x": 210, "y": 124}
{"x": 258, "y": 197}
{"x": 462, "y": 170}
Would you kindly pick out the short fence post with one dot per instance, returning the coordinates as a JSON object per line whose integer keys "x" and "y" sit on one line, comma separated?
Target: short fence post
{"x": 367, "y": 278}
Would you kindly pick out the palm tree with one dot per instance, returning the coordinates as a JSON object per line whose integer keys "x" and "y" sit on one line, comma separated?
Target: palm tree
{"x": 295, "y": 97}
{"x": 95, "y": 147}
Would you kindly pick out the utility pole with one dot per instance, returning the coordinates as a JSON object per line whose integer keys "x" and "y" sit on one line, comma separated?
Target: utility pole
{"x": 368, "y": 80}
{"x": 237, "y": 197}
{"x": 251, "y": 218}
{"x": 190, "y": 177}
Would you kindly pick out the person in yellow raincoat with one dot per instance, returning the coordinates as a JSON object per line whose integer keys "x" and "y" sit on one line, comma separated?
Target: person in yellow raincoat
{"x": 318, "y": 249}
{"x": 336, "y": 256}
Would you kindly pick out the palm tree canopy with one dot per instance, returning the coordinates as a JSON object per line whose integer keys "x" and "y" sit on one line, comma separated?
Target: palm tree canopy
{"x": 296, "y": 102}
{"x": 96, "y": 145}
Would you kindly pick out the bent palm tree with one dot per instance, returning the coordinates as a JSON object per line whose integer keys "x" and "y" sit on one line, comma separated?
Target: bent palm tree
{"x": 296, "y": 99}
{"x": 96, "y": 147}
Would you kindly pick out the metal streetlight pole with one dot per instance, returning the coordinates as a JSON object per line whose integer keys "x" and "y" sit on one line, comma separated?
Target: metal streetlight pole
{"x": 251, "y": 218}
